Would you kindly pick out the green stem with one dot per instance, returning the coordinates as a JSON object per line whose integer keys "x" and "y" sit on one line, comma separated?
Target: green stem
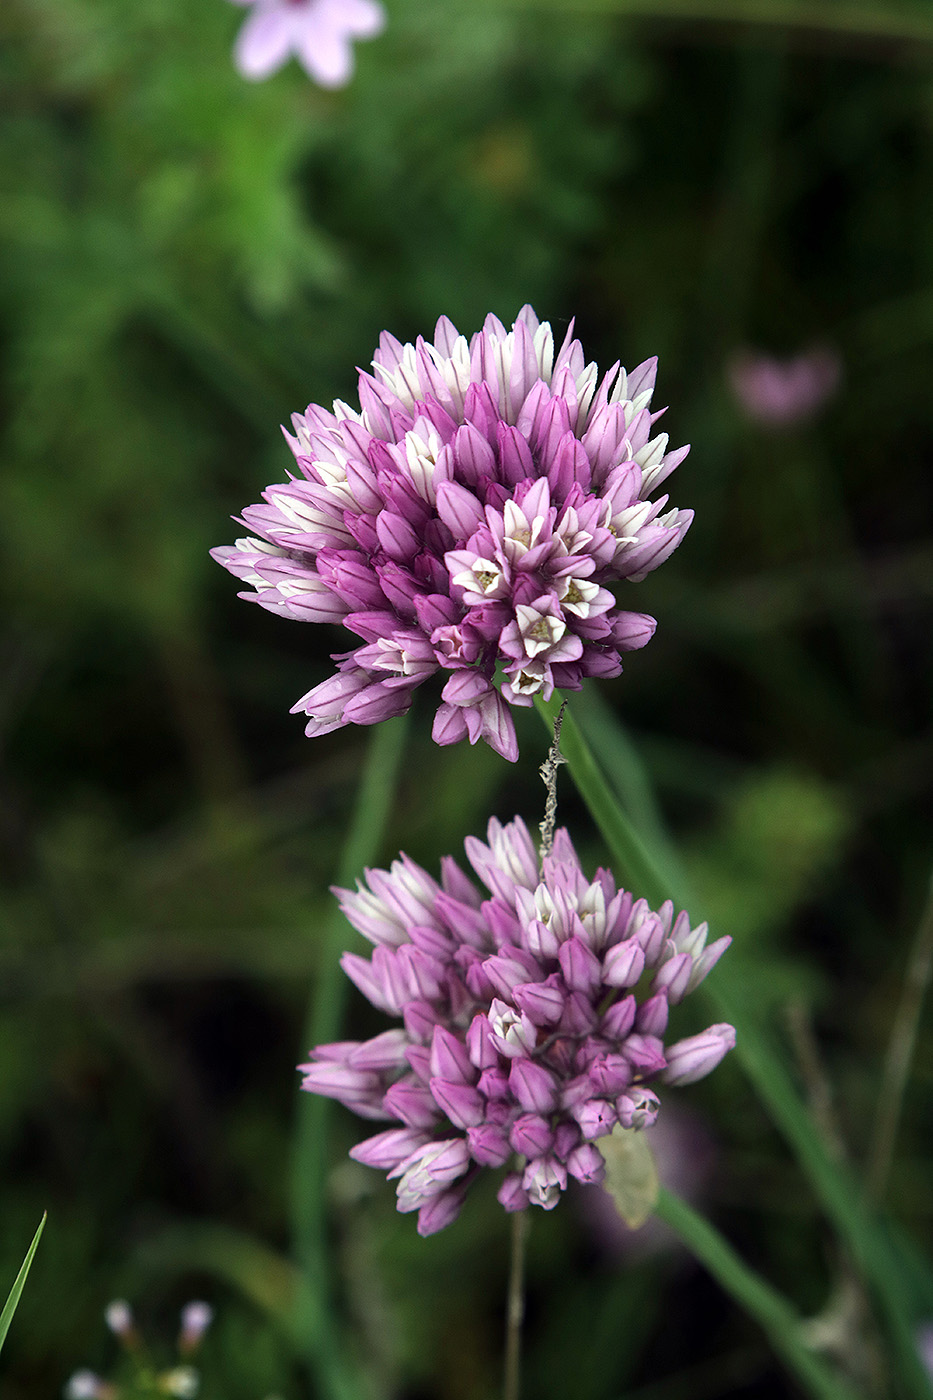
{"x": 728, "y": 994}
{"x": 769, "y": 1308}
{"x": 316, "y": 1322}
{"x": 900, "y": 1053}
{"x": 515, "y": 1307}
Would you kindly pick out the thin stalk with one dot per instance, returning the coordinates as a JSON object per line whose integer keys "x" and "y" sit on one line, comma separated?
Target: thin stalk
{"x": 311, "y": 1154}
{"x": 769, "y": 1308}
{"x": 900, "y": 1053}
{"x": 515, "y": 1310}
{"x": 548, "y": 771}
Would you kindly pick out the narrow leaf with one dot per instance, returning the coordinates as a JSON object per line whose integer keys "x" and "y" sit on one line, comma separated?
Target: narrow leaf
{"x": 10, "y": 1306}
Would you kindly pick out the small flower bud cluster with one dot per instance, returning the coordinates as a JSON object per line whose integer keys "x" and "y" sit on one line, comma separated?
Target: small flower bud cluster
{"x": 178, "y": 1382}
{"x": 472, "y": 517}
{"x": 533, "y": 1021}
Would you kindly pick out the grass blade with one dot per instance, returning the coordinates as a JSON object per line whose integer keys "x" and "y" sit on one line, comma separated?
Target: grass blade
{"x": 769, "y": 1308}
{"x": 10, "y": 1306}
{"x": 729, "y": 994}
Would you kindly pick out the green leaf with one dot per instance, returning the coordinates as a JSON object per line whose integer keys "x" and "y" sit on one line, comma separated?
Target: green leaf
{"x": 756, "y": 1296}
{"x": 727, "y": 993}
{"x": 10, "y": 1306}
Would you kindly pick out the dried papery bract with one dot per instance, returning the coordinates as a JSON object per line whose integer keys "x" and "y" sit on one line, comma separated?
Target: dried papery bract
{"x": 533, "y": 1020}
{"x": 472, "y": 518}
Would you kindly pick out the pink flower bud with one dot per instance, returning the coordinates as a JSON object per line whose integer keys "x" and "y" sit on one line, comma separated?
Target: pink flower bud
{"x": 596, "y": 1117}
{"x": 512, "y": 1195}
{"x": 440, "y": 1211}
{"x": 619, "y": 1019}
{"x": 653, "y": 1015}
{"x": 581, "y": 967}
{"x": 480, "y": 1045}
{"x": 544, "y": 1179}
{"x": 386, "y": 1150}
{"x": 542, "y": 1002}
{"x": 413, "y": 1103}
{"x": 609, "y": 1075}
{"x": 586, "y": 1164}
{"x": 463, "y": 1105}
{"x": 638, "y": 1108}
{"x": 449, "y": 1058}
{"x": 534, "y": 1087}
{"x": 645, "y": 1054}
{"x": 531, "y": 1135}
{"x": 673, "y": 977}
{"x": 691, "y": 1059}
{"x": 489, "y": 1145}
{"x": 624, "y": 964}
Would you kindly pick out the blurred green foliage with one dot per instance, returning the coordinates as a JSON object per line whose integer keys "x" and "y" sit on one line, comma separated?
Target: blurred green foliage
{"x": 188, "y": 258}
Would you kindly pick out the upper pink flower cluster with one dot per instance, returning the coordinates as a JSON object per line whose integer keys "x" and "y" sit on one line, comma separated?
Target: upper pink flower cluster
{"x": 533, "y": 1021}
{"x": 474, "y": 514}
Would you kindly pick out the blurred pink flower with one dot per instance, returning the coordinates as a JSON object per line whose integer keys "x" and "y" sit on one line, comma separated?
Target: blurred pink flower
{"x": 924, "y": 1339}
{"x": 319, "y": 33}
{"x": 783, "y": 392}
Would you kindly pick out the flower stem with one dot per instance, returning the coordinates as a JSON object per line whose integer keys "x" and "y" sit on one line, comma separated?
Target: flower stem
{"x": 900, "y": 1053}
{"x": 315, "y": 1320}
{"x": 770, "y": 1309}
{"x": 548, "y": 772}
{"x": 515, "y": 1308}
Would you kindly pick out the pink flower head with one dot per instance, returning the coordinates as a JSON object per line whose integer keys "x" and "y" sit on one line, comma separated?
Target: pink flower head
{"x": 474, "y": 514}
{"x": 780, "y": 393}
{"x": 319, "y": 33}
{"x": 524, "y": 1038}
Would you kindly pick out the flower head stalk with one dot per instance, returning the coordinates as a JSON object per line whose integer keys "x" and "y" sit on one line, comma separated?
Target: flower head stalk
{"x": 473, "y": 518}
{"x": 534, "y": 1016}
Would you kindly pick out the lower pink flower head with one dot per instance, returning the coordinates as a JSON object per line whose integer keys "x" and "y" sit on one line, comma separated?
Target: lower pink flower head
{"x": 533, "y": 1021}
{"x": 472, "y": 517}
{"x": 319, "y": 33}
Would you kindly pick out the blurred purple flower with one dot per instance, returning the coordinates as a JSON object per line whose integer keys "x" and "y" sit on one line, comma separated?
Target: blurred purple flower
{"x": 473, "y": 515}
{"x": 319, "y": 33}
{"x": 924, "y": 1339}
{"x": 780, "y": 393}
{"x": 196, "y": 1317}
{"x": 523, "y": 1040}
{"x": 86, "y": 1385}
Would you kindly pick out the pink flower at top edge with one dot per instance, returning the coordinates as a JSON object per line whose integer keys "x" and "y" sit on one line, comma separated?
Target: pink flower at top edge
{"x": 320, "y": 34}
{"x": 472, "y": 517}
{"x": 533, "y": 1020}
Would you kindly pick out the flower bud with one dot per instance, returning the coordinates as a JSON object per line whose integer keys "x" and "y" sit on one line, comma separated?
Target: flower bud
{"x": 691, "y": 1059}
